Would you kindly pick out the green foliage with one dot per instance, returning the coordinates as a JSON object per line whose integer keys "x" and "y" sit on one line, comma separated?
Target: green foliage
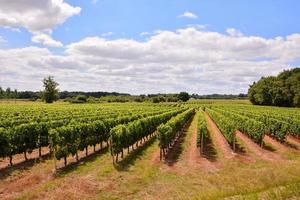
{"x": 283, "y": 90}
{"x": 229, "y": 122}
{"x": 183, "y": 96}
{"x": 50, "y": 93}
{"x": 4, "y": 143}
{"x": 202, "y": 128}
{"x": 124, "y": 136}
{"x": 167, "y": 132}
{"x": 255, "y": 120}
{"x": 80, "y": 99}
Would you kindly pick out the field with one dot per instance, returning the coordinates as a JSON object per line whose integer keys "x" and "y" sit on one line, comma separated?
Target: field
{"x": 199, "y": 150}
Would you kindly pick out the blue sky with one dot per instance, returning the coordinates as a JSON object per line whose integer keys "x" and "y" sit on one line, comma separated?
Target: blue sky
{"x": 65, "y": 30}
{"x": 127, "y": 19}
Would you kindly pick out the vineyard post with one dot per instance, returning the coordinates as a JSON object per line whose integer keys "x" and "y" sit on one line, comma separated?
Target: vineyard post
{"x": 262, "y": 140}
{"x": 54, "y": 159}
{"x": 76, "y": 156}
{"x": 25, "y": 155}
{"x": 65, "y": 159}
{"x": 202, "y": 143}
{"x": 234, "y": 135}
{"x": 10, "y": 160}
{"x": 40, "y": 151}
{"x": 111, "y": 150}
{"x": 160, "y": 154}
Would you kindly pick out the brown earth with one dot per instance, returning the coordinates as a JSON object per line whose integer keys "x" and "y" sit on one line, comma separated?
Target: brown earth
{"x": 185, "y": 154}
{"x": 256, "y": 151}
{"x": 192, "y": 156}
{"x": 293, "y": 142}
{"x": 19, "y": 158}
{"x": 27, "y": 178}
{"x": 280, "y": 147}
{"x": 219, "y": 140}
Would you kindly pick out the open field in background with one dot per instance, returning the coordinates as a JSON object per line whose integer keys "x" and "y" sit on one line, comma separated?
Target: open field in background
{"x": 270, "y": 171}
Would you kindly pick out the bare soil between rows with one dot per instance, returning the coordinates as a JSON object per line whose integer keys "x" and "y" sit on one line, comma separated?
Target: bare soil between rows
{"x": 219, "y": 140}
{"x": 256, "y": 150}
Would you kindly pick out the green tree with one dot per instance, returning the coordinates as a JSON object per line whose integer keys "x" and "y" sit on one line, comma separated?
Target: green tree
{"x": 50, "y": 92}
{"x": 183, "y": 96}
{"x": 2, "y": 93}
{"x": 282, "y": 90}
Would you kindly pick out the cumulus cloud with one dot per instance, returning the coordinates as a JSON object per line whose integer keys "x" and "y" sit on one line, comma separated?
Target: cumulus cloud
{"x": 37, "y": 16}
{"x": 188, "y": 15}
{"x": 197, "y": 61}
{"x": 46, "y": 40}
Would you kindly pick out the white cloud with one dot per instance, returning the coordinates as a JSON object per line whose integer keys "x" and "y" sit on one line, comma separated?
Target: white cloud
{"x": 234, "y": 33}
{"x": 37, "y": 16}
{"x": 107, "y": 34}
{"x": 188, "y": 59}
{"x": 145, "y": 33}
{"x": 198, "y": 26}
{"x": 188, "y": 15}
{"x": 46, "y": 40}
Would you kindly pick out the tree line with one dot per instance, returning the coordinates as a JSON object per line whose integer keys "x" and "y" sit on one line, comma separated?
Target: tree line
{"x": 281, "y": 90}
{"x": 51, "y": 93}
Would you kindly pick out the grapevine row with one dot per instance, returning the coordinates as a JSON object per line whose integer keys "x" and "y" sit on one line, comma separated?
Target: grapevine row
{"x": 122, "y": 136}
{"x": 170, "y": 131}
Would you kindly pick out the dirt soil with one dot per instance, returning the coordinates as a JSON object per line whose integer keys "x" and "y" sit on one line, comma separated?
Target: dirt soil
{"x": 256, "y": 150}
{"x": 293, "y": 142}
{"x": 218, "y": 139}
{"x": 28, "y": 179}
{"x": 19, "y": 158}
{"x": 280, "y": 147}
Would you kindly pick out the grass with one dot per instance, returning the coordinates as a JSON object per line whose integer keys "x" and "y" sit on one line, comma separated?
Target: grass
{"x": 137, "y": 177}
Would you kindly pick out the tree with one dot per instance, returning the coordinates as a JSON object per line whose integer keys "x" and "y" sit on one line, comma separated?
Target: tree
{"x": 183, "y": 96}
{"x": 2, "y": 92}
{"x": 50, "y": 92}
{"x": 282, "y": 90}
{"x": 79, "y": 99}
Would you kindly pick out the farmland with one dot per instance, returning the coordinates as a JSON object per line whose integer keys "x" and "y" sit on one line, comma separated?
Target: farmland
{"x": 199, "y": 150}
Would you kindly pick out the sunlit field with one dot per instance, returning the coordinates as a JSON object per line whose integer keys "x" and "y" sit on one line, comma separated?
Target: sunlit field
{"x": 75, "y": 156}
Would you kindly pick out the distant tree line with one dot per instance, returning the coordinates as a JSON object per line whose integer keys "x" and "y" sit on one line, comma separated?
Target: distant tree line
{"x": 51, "y": 93}
{"x": 14, "y": 94}
{"x": 281, "y": 90}
{"x": 82, "y": 97}
{"x": 220, "y": 96}
{"x": 91, "y": 97}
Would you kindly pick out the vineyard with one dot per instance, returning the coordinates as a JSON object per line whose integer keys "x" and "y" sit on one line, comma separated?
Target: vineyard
{"x": 117, "y": 143}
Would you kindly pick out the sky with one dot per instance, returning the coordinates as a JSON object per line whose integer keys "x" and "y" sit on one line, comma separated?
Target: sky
{"x": 147, "y": 46}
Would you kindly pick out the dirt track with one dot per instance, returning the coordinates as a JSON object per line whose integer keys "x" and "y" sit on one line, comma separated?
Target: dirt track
{"x": 191, "y": 156}
{"x": 256, "y": 150}
{"x": 218, "y": 139}
{"x": 293, "y": 141}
